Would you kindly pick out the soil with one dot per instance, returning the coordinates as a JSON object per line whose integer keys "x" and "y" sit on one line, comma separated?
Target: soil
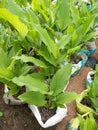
{"x": 87, "y": 102}
{"x": 46, "y": 113}
{"x": 75, "y": 58}
{"x": 21, "y": 118}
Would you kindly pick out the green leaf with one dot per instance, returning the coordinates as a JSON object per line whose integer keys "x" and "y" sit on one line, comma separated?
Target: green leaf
{"x": 4, "y": 61}
{"x": 6, "y": 74}
{"x": 31, "y": 17}
{"x": 33, "y": 98}
{"x": 66, "y": 97}
{"x": 46, "y": 55}
{"x": 88, "y": 24}
{"x": 81, "y": 122}
{"x": 93, "y": 122}
{"x": 40, "y": 6}
{"x": 73, "y": 50}
{"x": 32, "y": 84}
{"x": 44, "y": 36}
{"x": 26, "y": 15}
{"x": 78, "y": 34}
{"x": 14, "y": 20}
{"x": 95, "y": 87}
{"x": 91, "y": 35}
{"x": 87, "y": 124}
{"x": 22, "y": 69}
{"x": 95, "y": 102}
{"x": 31, "y": 59}
{"x": 38, "y": 75}
{"x": 60, "y": 79}
{"x": 64, "y": 41}
{"x": 15, "y": 9}
{"x": 96, "y": 74}
{"x": 74, "y": 14}
{"x": 63, "y": 14}
{"x": 1, "y": 114}
{"x": 13, "y": 90}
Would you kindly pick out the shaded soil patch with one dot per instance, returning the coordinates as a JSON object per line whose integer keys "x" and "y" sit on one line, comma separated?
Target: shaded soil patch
{"x": 46, "y": 113}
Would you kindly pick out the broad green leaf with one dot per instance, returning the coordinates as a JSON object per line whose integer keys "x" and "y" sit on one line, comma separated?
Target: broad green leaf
{"x": 5, "y": 73}
{"x": 2, "y": 3}
{"x": 96, "y": 74}
{"x": 38, "y": 75}
{"x": 78, "y": 33}
{"x": 27, "y": 16}
{"x": 88, "y": 24}
{"x": 4, "y": 61}
{"x": 63, "y": 14}
{"x": 14, "y": 20}
{"x": 91, "y": 35}
{"x": 74, "y": 14}
{"x": 22, "y": 69}
{"x": 40, "y": 6}
{"x": 13, "y": 90}
{"x": 70, "y": 29}
{"x": 32, "y": 84}
{"x": 77, "y": 37}
{"x": 95, "y": 87}
{"x": 60, "y": 79}
{"x": 15, "y": 9}
{"x": 44, "y": 36}
{"x": 66, "y": 97}
{"x": 64, "y": 41}
{"x": 73, "y": 50}
{"x": 33, "y": 98}
{"x": 31, "y": 59}
{"x": 95, "y": 102}
{"x": 47, "y": 55}
{"x": 87, "y": 124}
{"x": 32, "y": 17}
{"x": 81, "y": 122}
{"x": 93, "y": 122}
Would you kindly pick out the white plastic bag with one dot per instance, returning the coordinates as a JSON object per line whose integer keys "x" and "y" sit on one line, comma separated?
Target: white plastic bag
{"x": 10, "y": 100}
{"x": 60, "y": 114}
{"x": 91, "y": 45}
{"x": 89, "y": 79}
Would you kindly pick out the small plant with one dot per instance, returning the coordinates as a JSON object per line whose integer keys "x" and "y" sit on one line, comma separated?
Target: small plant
{"x": 48, "y": 93}
{"x": 83, "y": 122}
{"x": 88, "y": 122}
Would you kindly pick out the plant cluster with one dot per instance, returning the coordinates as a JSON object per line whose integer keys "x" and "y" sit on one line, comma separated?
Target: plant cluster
{"x": 87, "y": 107}
{"x": 36, "y": 37}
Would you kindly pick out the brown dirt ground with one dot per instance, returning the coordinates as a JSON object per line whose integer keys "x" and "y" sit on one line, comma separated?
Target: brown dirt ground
{"x": 21, "y": 118}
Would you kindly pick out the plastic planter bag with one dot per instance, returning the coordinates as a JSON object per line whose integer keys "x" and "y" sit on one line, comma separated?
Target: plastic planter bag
{"x": 89, "y": 77}
{"x": 84, "y": 54}
{"x": 10, "y": 100}
{"x": 60, "y": 114}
